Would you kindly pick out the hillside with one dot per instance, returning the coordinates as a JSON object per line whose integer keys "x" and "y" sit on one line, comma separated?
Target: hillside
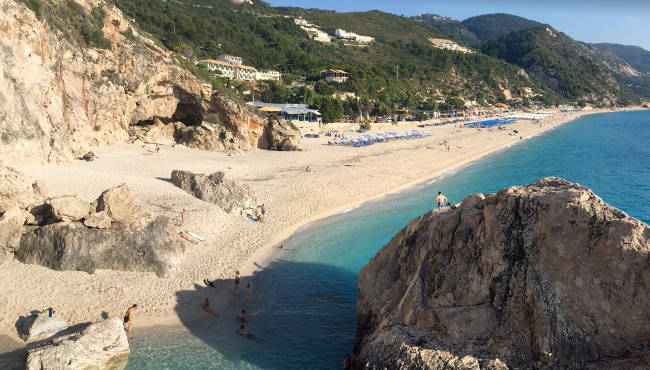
{"x": 565, "y": 66}
{"x": 399, "y": 69}
{"x": 452, "y": 27}
{"x": 637, "y": 57}
{"x": 493, "y": 26}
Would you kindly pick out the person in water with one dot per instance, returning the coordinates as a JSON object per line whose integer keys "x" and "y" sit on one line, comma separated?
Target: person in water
{"x": 281, "y": 247}
{"x": 207, "y": 308}
{"x": 242, "y": 317}
{"x": 441, "y": 200}
{"x": 244, "y": 333}
{"x": 237, "y": 277}
{"x": 248, "y": 294}
{"x": 128, "y": 317}
{"x": 347, "y": 362}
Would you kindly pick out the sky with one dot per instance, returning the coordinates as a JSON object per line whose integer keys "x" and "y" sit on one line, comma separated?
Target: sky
{"x": 623, "y": 22}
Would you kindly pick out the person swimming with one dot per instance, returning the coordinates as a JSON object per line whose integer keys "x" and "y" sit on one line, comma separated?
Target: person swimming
{"x": 244, "y": 333}
{"x": 206, "y": 307}
{"x": 242, "y": 317}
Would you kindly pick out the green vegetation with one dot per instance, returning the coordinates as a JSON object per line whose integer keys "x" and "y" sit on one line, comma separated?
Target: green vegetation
{"x": 561, "y": 63}
{"x": 79, "y": 26}
{"x": 399, "y": 70}
{"x": 494, "y": 26}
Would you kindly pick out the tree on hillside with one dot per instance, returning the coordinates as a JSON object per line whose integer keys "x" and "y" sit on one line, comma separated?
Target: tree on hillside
{"x": 331, "y": 109}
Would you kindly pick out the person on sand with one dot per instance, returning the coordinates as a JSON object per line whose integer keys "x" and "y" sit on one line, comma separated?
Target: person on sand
{"x": 347, "y": 362}
{"x": 208, "y": 283}
{"x": 128, "y": 318}
{"x": 49, "y": 311}
{"x": 206, "y": 307}
{"x": 237, "y": 277}
{"x": 242, "y": 317}
{"x": 183, "y": 216}
{"x": 244, "y": 333}
{"x": 188, "y": 238}
{"x": 441, "y": 200}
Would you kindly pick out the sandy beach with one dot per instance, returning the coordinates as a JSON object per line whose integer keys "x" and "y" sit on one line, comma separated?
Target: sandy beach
{"x": 343, "y": 178}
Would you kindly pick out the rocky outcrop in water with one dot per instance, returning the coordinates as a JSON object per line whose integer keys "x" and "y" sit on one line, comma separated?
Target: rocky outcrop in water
{"x": 215, "y": 188}
{"x": 58, "y": 98}
{"x": 543, "y": 276}
{"x": 102, "y": 345}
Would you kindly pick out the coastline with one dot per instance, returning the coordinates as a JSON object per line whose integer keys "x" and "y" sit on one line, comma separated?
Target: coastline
{"x": 260, "y": 251}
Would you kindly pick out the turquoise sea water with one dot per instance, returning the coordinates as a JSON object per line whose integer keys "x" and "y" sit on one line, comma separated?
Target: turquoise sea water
{"x": 304, "y": 304}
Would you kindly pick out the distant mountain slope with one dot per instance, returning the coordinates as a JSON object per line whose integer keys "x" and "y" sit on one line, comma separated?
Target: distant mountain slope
{"x": 635, "y": 56}
{"x": 451, "y": 27}
{"x": 400, "y": 69}
{"x": 493, "y": 26}
{"x": 564, "y": 65}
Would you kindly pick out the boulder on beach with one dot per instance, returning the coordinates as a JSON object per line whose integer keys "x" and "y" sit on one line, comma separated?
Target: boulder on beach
{"x": 102, "y": 345}
{"x": 19, "y": 190}
{"x": 117, "y": 202}
{"x": 11, "y": 229}
{"x": 540, "y": 276}
{"x": 154, "y": 247}
{"x": 41, "y": 326}
{"x": 215, "y": 188}
{"x": 279, "y": 135}
{"x": 69, "y": 208}
{"x": 98, "y": 220}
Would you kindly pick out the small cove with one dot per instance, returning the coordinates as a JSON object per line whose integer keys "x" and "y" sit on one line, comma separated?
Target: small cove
{"x": 303, "y": 305}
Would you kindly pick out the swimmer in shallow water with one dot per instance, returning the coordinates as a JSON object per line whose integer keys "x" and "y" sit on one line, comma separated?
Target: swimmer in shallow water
{"x": 244, "y": 333}
{"x": 207, "y": 308}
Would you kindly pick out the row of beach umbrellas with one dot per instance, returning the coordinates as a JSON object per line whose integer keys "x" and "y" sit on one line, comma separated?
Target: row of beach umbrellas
{"x": 369, "y": 139}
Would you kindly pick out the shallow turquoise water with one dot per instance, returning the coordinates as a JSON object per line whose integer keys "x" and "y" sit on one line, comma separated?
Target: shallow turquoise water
{"x": 304, "y": 304}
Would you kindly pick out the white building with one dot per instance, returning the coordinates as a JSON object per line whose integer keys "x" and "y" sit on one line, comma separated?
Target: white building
{"x": 268, "y": 75}
{"x": 230, "y": 59}
{"x": 320, "y": 36}
{"x": 226, "y": 70}
{"x": 231, "y": 71}
{"x": 245, "y": 73}
{"x": 345, "y": 35}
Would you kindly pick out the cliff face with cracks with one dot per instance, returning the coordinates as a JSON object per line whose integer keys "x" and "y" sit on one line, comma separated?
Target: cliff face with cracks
{"x": 542, "y": 276}
{"x": 57, "y": 98}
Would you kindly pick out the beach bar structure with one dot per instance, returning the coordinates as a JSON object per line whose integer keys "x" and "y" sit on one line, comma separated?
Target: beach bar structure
{"x": 334, "y": 75}
{"x": 290, "y": 112}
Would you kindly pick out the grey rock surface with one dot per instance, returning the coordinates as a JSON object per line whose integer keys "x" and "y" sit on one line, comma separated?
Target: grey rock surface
{"x": 215, "y": 188}
{"x": 42, "y": 326}
{"x": 11, "y": 229}
{"x": 117, "y": 202}
{"x": 18, "y": 190}
{"x": 102, "y": 345}
{"x": 98, "y": 220}
{"x": 154, "y": 247}
{"x": 545, "y": 276}
{"x": 69, "y": 208}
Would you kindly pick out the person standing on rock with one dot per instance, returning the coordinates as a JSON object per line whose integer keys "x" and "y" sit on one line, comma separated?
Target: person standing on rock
{"x": 441, "y": 200}
{"x": 128, "y": 318}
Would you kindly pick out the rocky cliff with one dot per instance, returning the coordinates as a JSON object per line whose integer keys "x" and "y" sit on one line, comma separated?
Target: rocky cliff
{"x": 542, "y": 276}
{"x": 58, "y": 97}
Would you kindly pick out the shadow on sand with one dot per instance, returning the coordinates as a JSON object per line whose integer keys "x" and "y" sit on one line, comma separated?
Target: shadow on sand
{"x": 303, "y": 316}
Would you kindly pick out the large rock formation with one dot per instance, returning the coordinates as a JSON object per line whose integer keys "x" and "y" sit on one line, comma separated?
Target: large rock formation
{"x": 102, "y": 345}
{"x": 73, "y": 246}
{"x": 215, "y": 188}
{"x": 57, "y": 97}
{"x": 543, "y": 276}
{"x": 279, "y": 135}
{"x": 41, "y": 326}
